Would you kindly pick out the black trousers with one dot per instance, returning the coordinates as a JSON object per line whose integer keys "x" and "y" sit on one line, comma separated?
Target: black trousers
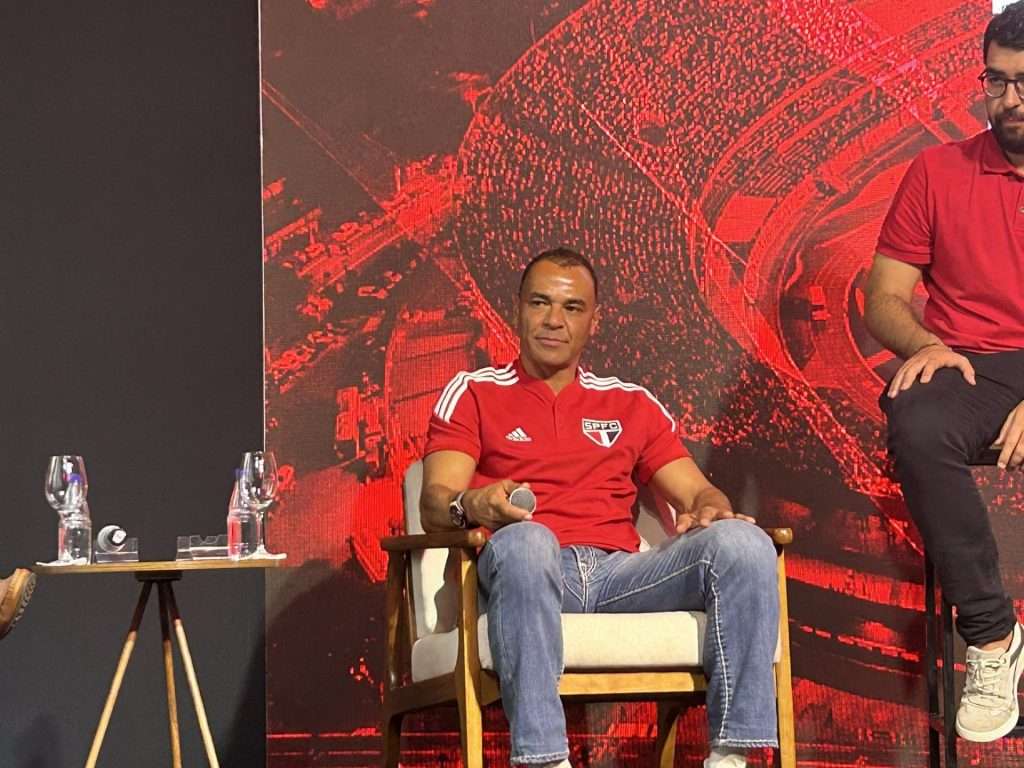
{"x": 934, "y": 429}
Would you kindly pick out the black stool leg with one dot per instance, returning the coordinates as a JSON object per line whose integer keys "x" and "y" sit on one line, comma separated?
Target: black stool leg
{"x": 931, "y": 640}
{"x": 939, "y": 635}
{"x": 948, "y": 693}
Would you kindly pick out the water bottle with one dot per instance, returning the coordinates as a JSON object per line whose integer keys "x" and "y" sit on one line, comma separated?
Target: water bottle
{"x": 74, "y": 536}
{"x": 243, "y": 526}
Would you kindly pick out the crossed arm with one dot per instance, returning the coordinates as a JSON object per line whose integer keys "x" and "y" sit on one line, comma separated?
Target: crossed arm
{"x": 448, "y": 473}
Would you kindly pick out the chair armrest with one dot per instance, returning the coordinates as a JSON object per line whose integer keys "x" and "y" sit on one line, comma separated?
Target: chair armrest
{"x": 473, "y": 539}
{"x": 781, "y": 536}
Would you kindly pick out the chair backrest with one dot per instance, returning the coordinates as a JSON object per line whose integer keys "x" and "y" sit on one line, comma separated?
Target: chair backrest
{"x": 653, "y": 517}
{"x": 428, "y": 565}
{"x": 427, "y": 581}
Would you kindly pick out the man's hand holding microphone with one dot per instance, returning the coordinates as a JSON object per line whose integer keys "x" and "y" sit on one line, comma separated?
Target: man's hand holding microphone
{"x": 498, "y": 504}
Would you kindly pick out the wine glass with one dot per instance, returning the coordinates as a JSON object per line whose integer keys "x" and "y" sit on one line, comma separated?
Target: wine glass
{"x": 257, "y": 485}
{"x": 65, "y": 488}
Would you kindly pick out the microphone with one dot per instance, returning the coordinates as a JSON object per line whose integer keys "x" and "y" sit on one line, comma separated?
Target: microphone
{"x": 523, "y": 498}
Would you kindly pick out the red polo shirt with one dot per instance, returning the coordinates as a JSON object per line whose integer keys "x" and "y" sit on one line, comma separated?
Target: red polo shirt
{"x": 577, "y": 449}
{"x": 959, "y": 215}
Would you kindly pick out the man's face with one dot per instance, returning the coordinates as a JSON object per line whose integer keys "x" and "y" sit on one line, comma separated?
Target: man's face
{"x": 1006, "y": 113}
{"x": 556, "y": 312}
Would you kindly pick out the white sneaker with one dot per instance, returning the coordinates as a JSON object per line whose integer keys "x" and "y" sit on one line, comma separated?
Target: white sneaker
{"x": 729, "y": 761}
{"x": 988, "y": 708}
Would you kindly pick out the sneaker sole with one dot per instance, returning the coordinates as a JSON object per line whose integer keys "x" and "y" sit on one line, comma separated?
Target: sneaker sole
{"x": 1011, "y": 721}
{"x": 19, "y": 592}
{"x": 985, "y": 736}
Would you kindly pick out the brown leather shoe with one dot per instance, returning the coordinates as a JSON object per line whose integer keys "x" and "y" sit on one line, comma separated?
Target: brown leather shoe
{"x": 15, "y": 592}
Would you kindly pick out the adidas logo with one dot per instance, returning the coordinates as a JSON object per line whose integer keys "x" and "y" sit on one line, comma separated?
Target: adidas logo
{"x": 518, "y": 436}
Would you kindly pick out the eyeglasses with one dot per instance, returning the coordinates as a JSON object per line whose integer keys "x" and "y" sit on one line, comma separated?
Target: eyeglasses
{"x": 995, "y": 85}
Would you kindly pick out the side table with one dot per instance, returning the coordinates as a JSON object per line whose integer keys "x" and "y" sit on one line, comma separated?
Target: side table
{"x": 162, "y": 574}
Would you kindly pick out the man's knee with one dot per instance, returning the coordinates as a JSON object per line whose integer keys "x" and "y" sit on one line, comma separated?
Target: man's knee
{"x": 737, "y": 544}
{"x": 526, "y": 537}
{"x": 918, "y": 420}
{"x": 524, "y": 550}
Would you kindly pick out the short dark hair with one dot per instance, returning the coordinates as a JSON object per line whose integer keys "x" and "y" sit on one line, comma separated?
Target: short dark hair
{"x": 563, "y": 257}
{"x": 1006, "y": 28}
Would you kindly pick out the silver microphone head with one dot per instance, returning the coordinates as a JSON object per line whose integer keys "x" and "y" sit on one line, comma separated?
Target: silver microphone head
{"x": 523, "y": 498}
{"x": 111, "y": 538}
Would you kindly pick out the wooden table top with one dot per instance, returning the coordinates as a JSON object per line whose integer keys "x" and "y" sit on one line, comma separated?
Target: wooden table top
{"x": 161, "y": 566}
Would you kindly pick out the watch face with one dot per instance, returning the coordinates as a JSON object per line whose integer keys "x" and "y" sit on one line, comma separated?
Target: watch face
{"x": 457, "y": 514}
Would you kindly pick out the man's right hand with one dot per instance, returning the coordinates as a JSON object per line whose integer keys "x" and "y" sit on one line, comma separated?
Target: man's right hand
{"x": 923, "y": 365}
{"x": 488, "y": 506}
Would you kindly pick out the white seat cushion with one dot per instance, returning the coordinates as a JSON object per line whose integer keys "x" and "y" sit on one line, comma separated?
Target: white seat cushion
{"x": 609, "y": 641}
{"x": 592, "y": 641}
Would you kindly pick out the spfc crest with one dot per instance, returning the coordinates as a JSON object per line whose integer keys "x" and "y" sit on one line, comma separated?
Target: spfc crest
{"x": 604, "y": 433}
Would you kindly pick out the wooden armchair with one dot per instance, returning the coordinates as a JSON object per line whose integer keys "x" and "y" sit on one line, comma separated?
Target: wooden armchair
{"x": 437, "y": 650}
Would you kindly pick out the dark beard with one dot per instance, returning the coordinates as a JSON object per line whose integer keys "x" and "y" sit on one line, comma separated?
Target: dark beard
{"x": 1010, "y": 143}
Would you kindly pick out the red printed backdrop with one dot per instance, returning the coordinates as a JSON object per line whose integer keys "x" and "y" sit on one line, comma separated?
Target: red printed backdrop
{"x": 727, "y": 166}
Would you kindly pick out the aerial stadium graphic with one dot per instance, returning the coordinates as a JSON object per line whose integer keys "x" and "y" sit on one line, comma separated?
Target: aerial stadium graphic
{"x": 727, "y": 166}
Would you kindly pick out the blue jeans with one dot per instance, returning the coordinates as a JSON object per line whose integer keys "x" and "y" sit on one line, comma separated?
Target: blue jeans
{"x": 727, "y": 570}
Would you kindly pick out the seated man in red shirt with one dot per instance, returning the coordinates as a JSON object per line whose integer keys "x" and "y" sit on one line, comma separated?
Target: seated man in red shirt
{"x": 957, "y": 223}
{"x": 577, "y": 440}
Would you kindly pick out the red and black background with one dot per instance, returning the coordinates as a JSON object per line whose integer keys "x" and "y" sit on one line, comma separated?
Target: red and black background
{"x": 727, "y": 166}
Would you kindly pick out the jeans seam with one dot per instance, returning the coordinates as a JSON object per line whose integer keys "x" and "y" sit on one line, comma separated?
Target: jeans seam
{"x": 581, "y": 567}
{"x": 750, "y": 743}
{"x": 658, "y": 583}
{"x": 585, "y": 565}
{"x": 718, "y": 636}
{"x": 721, "y": 656}
{"x": 571, "y": 591}
{"x": 501, "y": 635}
{"x": 546, "y": 757}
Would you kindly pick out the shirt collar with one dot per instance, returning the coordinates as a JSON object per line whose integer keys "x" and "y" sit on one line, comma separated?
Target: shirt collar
{"x": 534, "y": 383}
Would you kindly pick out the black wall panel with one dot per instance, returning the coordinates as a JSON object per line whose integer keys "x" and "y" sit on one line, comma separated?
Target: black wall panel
{"x": 130, "y": 332}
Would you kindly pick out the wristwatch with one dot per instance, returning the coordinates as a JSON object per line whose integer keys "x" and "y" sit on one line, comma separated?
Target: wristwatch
{"x": 457, "y": 511}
